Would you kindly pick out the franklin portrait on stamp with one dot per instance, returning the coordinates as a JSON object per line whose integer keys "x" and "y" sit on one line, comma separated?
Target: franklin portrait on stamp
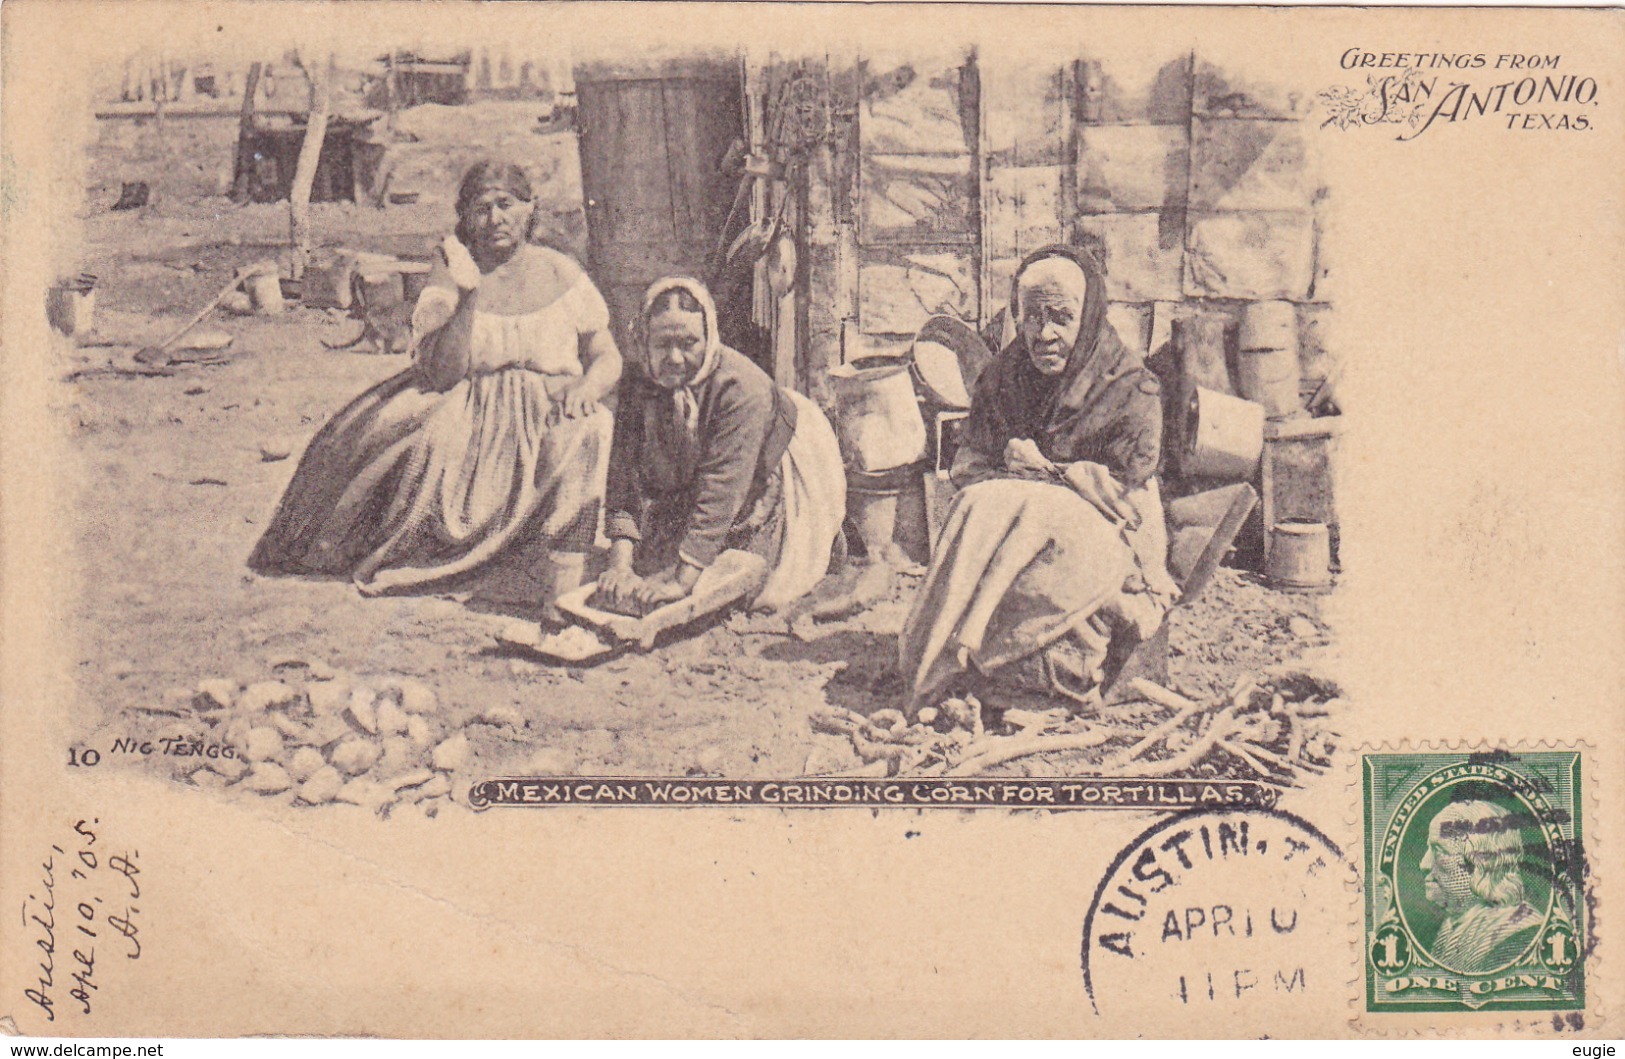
{"x": 1471, "y": 871}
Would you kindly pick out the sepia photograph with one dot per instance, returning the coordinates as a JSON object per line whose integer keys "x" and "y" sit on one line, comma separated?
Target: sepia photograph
{"x": 722, "y": 415}
{"x": 810, "y": 520}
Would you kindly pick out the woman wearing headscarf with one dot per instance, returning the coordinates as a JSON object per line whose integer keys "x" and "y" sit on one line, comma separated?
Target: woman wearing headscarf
{"x": 709, "y": 454}
{"x": 480, "y": 467}
{"x": 1055, "y": 546}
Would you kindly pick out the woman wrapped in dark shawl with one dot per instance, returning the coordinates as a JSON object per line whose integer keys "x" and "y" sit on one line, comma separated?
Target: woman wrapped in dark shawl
{"x": 1055, "y": 545}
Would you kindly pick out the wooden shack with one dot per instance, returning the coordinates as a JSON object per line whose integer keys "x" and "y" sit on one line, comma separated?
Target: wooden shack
{"x": 654, "y": 137}
{"x": 412, "y": 79}
{"x": 274, "y": 145}
{"x": 871, "y": 193}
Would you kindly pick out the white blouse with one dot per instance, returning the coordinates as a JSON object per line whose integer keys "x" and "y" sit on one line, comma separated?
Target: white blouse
{"x": 546, "y": 341}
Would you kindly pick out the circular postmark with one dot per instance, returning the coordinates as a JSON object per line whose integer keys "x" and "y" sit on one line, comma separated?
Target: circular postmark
{"x": 1219, "y": 913}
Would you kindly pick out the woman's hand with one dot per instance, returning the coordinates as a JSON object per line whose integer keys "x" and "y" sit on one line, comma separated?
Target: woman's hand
{"x": 1021, "y": 456}
{"x": 619, "y": 586}
{"x": 575, "y": 399}
{"x": 656, "y": 592}
{"x": 460, "y": 263}
{"x": 1095, "y": 484}
{"x": 668, "y": 587}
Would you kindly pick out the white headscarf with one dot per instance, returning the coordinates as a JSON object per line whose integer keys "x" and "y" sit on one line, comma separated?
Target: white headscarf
{"x": 684, "y": 399}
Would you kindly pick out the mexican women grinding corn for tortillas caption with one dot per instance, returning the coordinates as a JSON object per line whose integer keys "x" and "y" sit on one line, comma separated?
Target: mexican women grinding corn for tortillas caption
{"x": 710, "y": 455}
{"x": 481, "y": 467}
{"x": 1055, "y": 546}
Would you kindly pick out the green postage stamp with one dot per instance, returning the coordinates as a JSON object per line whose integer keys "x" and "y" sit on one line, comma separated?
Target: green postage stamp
{"x": 1474, "y": 865}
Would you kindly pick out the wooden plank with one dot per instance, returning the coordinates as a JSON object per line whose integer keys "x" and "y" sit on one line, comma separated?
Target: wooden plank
{"x": 630, "y": 261}
{"x": 702, "y": 120}
{"x": 304, "y": 173}
{"x": 1252, "y": 255}
{"x": 917, "y": 199}
{"x": 785, "y": 338}
{"x": 1021, "y": 212}
{"x": 1122, "y": 168}
{"x": 697, "y": 66}
{"x": 243, "y": 170}
{"x": 1025, "y": 114}
{"x": 912, "y": 108}
{"x": 1299, "y": 429}
{"x": 1223, "y": 537}
{"x": 1134, "y": 88}
{"x": 1240, "y": 164}
{"x": 641, "y": 207}
{"x": 901, "y": 289}
{"x": 1143, "y": 253}
{"x": 625, "y": 183}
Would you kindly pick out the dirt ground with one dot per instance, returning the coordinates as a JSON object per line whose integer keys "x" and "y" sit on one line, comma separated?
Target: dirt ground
{"x": 177, "y": 477}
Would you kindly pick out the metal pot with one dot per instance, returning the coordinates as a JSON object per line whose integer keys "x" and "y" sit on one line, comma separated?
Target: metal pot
{"x": 880, "y": 423}
{"x": 1300, "y": 554}
{"x": 1225, "y": 436}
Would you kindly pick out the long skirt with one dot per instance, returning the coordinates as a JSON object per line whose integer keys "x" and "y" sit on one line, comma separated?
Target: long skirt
{"x": 409, "y": 490}
{"x": 813, "y": 485}
{"x": 1027, "y": 589}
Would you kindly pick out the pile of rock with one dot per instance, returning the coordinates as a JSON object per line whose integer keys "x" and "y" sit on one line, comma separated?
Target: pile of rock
{"x": 381, "y": 743}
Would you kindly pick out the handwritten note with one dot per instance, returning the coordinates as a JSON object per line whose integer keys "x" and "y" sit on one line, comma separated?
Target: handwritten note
{"x": 83, "y": 913}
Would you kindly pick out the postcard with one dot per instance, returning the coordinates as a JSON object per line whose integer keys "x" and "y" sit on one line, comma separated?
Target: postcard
{"x": 798, "y": 520}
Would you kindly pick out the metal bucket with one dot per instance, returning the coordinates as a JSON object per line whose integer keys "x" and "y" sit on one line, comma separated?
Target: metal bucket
{"x": 71, "y": 305}
{"x": 880, "y": 423}
{"x": 1267, "y": 361}
{"x": 1270, "y": 377}
{"x": 1224, "y": 436}
{"x": 265, "y": 288}
{"x": 1300, "y": 554}
{"x": 891, "y": 513}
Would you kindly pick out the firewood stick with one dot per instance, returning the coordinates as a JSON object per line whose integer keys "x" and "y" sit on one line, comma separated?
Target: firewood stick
{"x": 1162, "y": 696}
{"x": 1187, "y": 758}
{"x": 1270, "y": 757}
{"x": 150, "y": 353}
{"x": 1294, "y": 746}
{"x": 1160, "y": 732}
{"x": 1260, "y": 760}
{"x": 1020, "y": 747}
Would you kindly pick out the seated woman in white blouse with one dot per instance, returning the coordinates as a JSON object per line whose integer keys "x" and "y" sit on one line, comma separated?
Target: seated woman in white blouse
{"x": 482, "y": 466}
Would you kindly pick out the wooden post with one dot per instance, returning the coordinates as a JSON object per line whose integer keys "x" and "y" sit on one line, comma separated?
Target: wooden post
{"x": 390, "y": 102}
{"x": 304, "y": 173}
{"x": 242, "y": 178}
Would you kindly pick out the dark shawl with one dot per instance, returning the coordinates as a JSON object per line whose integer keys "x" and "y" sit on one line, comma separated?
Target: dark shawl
{"x": 1106, "y": 407}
